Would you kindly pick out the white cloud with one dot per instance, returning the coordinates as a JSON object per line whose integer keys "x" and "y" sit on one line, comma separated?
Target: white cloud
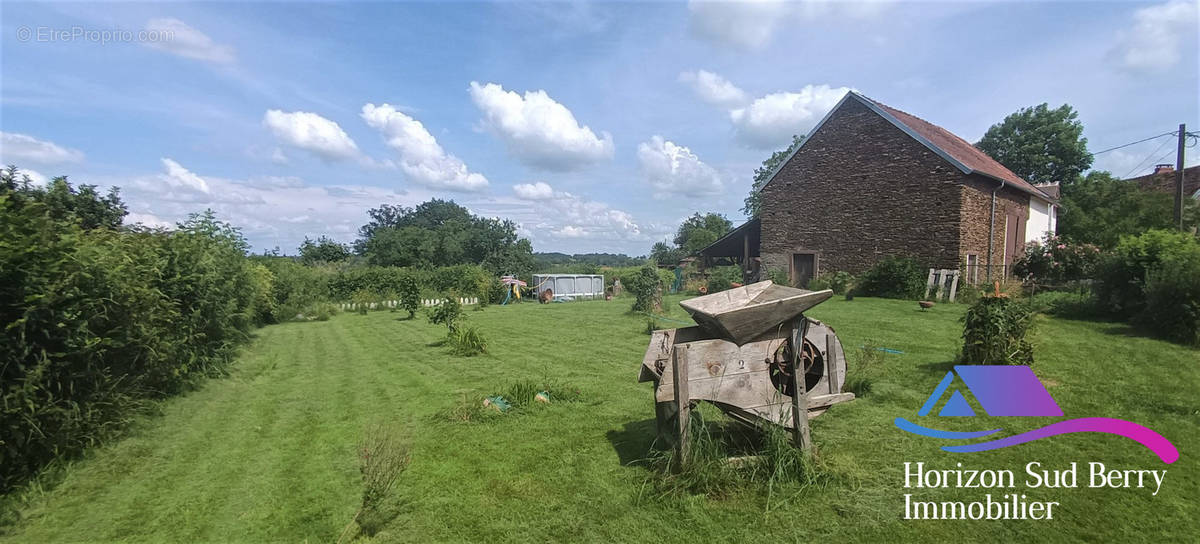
{"x": 20, "y": 149}
{"x": 421, "y": 158}
{"x": 533, "y": 191}
{"x": 571, "y": 231}
{"x": 177, "y": 176}
{"x": 743, "y": 25}
{"x": 313, "y": 133}
{"x": 769, "y": 122}
{"x": 538, "y": 130}
{"x": 751, "y": 24}
{"x": 180, "y": 39}
{"x": 147, "y": 219}
{"x": 37, "y": 179}
{"x": 1156, "y": 41}
{"x": 673, "y": 170}
{"x": 714, "y": 89}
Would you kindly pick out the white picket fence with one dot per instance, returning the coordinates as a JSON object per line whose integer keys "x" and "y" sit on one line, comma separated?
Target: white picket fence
{"x": 426, "y": 302}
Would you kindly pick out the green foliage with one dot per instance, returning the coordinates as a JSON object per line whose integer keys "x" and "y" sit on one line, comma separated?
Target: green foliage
{"x": 1039, "y": 144}
{"x": 779, "y": 276}
{"x": 721, "y": 278}
{"x": 753, "y": 203}
{"x": 62, "y": 202}
{"x": 1173, "y": 299}
{"x": 409, "y": 291}
{"x": 1055, "y": 261}
{"x": 467, "y": 342}
{"x": 323, "y": 250}
{"x": 1076, "y": 304}
{"x": 363, "y": 299}
{"x": 840, "y": 282}
{"x": 663, "y": 254}
{"x": 448, "y": 312}
{"x": 441, "y": 233}
{"x": 1100, "y": 209}
{"x": 383, "y": 455}
{"x": 645, "y": 286}
{"x": 97, "y": 320}
{"x": 698, "y": 231}
{"x": 262, "y": 283}
{"x": 994, "y": 332}
{"x": 1152, "y": 280}
{"x": 590, "y": 263}
{"x": 893, "y": 277}
{"x": 296, "y": 287}
{"x": 1121, "y": 276}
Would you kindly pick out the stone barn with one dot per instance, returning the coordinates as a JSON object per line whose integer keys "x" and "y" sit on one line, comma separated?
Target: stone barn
{"x": 871, "y": 181}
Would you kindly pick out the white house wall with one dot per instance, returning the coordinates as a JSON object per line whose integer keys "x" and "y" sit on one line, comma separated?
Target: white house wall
{"x": 1042, "y": 220}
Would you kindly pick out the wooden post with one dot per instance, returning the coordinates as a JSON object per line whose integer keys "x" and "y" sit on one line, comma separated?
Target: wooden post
{"x": 799, "y": 395}
{"x": 954, "y": 285}
{"x": 1179, "y": 177}
{"x": 941, "y": 284}
{"x": 928, "y": 284}
{"x": 679, "y": 365}
{"x": 831, "y": 364}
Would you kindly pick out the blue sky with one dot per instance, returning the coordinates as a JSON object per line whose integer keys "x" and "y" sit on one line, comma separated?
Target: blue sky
{"x": 597, "y": 127}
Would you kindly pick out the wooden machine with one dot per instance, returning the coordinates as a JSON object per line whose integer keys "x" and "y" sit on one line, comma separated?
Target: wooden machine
{"x": 755, "y": 356}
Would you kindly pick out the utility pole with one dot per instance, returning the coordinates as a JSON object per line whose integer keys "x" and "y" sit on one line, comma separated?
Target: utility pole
{"x": 1179, "y": 177}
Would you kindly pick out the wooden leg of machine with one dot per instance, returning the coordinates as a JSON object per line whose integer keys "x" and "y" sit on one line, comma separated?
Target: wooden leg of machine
{"x": 679, "y": 363}
{"x": 799, "y": 395}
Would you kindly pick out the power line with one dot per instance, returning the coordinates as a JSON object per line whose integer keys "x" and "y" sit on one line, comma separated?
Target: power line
{"x": 1143, "y": 161}
{"x": 1172, "y": 133}
{"x": 1160, "y": 157}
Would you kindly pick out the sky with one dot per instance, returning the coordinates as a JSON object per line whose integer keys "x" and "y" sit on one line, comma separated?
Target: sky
{"x": 596, "y": 127}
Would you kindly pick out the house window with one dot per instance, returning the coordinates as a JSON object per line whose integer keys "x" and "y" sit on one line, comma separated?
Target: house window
{"x": 972, "y": 268}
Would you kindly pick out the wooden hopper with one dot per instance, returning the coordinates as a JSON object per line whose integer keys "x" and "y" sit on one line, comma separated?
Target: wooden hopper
{"x": 755, "y": 357}
{"x": 743, "y": 313}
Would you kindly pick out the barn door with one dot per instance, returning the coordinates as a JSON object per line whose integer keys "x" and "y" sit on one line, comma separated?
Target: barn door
{"x": 804, "y": 267}
{"x": 1011, "y": 241}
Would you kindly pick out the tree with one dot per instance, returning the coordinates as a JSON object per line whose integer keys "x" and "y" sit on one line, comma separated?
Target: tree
{"x": 323, "y": 250}
{"x": 763, "y": 173}
{"x": 1099, "y": 209}
{"x": 699, "y": 231}
{"x": 663, "y": 254}
{"x": 1040, "y": 144}
{"x": 442, "y": 233}
{"x": 66, "y": 203}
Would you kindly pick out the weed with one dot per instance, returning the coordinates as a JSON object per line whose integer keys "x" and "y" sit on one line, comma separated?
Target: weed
{"x": 466, "y": 342}
{"x": 382, "y": 456}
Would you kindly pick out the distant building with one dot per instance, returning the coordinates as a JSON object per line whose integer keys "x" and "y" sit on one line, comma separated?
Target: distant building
{"x": 1163, "y": 180}
{"x": 871, "y": 181}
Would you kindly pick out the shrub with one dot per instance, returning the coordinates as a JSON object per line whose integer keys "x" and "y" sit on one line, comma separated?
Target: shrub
{"x": 645, "y": 285}
{"x": 839, "y": 282}
{"x": 1122, "y": 275}
{"x": 1054, "y": 261}
{"x": 893, "y": 277}
{"x": 383, "y": 456}
{"x": 994, "y": 332}
{"x": 362, "y": 300}
{"x": 467, "y": 342}
{"x": 721, "y": 278}
{"x": 1173, "y": 299}
{"x": 448, "y": 312}
{"x": 409, "y": 291}
{"x": 320, "y": 311}
{"x": 779, "y": 276}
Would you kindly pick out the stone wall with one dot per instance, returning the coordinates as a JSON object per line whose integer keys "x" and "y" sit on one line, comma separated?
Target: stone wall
{"x": 859, "y": 190}
{"x": 976, "y": 205}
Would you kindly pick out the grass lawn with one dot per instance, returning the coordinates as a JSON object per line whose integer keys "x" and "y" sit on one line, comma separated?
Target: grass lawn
{"x": 268, "y": 454}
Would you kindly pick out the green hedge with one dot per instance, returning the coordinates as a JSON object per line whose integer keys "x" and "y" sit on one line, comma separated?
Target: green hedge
{"x": 1153, "y": 280}
{"x": 893, "y": 277}
{"x": 98, "y": 321}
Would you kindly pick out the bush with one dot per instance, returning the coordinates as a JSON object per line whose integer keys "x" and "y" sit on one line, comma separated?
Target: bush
{"x": 409, "y": 291}
{"x": 362, "y": 300}
{"x": 645, "y": 285}
{"x": 1054, "y": 261}
{"x": 1123, "y": 273}
{"x": 721, "y": 278}
{"x": 383, "y": 455}
{"x": 994, "y": 332}
{"x": 779, "y": 276}
{"x": 99, "y": 320}
{"x": 448, "y": 312}
{"x": 1173, "y": 299}
{"x": 839, "y": 282}
{"x": 893, "y": 277}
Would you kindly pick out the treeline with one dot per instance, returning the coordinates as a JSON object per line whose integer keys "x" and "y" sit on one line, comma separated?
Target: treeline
{"x": 100, "y": 318}
{"x": 546, "y": 261}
